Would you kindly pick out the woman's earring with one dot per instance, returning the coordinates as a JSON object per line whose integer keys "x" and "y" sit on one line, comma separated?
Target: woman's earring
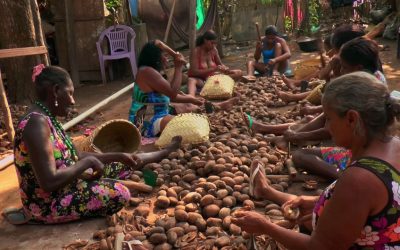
{"x": 56, "y": 103}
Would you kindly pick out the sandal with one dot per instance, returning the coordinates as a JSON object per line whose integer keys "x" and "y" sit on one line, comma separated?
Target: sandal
{"x": 303, "y": 86}
{"x": 253, "y": 174}
{"x": 209, "y": 107}
{"x": 132, "y": 242}
{"x": 246, "y": 117}
{"x": 15, "y": 216}
{"x": 249, "y": 78}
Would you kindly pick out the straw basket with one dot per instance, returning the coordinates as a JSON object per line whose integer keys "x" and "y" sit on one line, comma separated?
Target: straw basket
{"x": 193, "y": 128}
{"x": 117, "y": 135}
{"x": 316, "y": 95}
{"x": 218, "y": 87}
{"x": 306, "y": 68}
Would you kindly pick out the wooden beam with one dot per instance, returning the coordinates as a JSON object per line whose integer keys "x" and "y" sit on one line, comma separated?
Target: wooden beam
{"x": 37, "y": 21}
{"x": 6, "y": 112}
{"x": 27, "y": 51}
{"x": 192, "y": 29}
{"x": 69, "y": 21}
{"x": 171, "y": 15}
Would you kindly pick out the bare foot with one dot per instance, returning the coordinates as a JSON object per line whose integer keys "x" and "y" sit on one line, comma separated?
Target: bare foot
{"x": 228, "y": 104}
{"x": 256, "y": 127}
{"x": 181, "y": 108}
{"x": 175, "y": 144}
{"x": 286, "y": 97}
{"x": 309, "y": 110}
{"x": 278, "y": 141}
{"x": 289, "y": 82}
{"x": 260, "y": 184}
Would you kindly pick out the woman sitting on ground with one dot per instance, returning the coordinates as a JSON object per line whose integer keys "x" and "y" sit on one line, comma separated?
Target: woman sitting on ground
{"x": 360, "y": 54}
{"x": 49, "y": 168}
{"x": 357, "y": 54}
{"x": 275, "y": 52}
{"x": 340, "y": 36}
{"x": 359, "y": 210}
{"x": 206, "y": 62}
{"x": 153, "y": 89}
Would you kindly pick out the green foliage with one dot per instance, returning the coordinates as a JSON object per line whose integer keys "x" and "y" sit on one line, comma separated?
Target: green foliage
{"x": 288, "y": 24}
{"x": 113, "y": 5}
{"x": 314, "y": 10}
{"x": 273, "y": 2}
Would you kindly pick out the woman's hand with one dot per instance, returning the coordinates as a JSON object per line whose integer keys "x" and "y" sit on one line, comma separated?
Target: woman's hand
{"x": 179, "y": 60}
{"x": 223, "y": 69}
{"x": 251, "y": 222}
{"x": 130, "y": 160}
{"x": 290, "y": 135}
{"x": 96, "y": 165}
{"x": 199, "y": 101}
{"x": 259, "y": 45}
{"x": 305, "y": 204}
{"x": 271, "y": 62}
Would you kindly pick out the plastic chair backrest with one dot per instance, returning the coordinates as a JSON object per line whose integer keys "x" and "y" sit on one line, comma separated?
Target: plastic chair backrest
{"x": 118, "y": 39}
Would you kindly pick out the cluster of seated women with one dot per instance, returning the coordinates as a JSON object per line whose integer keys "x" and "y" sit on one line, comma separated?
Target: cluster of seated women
{"x": 360, "y": 210}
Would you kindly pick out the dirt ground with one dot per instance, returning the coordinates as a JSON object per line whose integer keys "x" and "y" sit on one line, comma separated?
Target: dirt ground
{"x": 54, "y": 237}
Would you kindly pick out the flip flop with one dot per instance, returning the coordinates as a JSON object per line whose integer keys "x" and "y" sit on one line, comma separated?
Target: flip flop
{"x": 303, "y": 86}
{"x": 15, "y": 216}
{"x": 259, "y": 168}
{"x": 249, "y": 78}
{"x": 209, "y": 107}
{"x": 249, "y": 119}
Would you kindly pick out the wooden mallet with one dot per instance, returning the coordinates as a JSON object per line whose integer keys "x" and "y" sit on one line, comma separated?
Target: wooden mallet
{"x": 258, "y": 31}
{"x": 164, "y": 47}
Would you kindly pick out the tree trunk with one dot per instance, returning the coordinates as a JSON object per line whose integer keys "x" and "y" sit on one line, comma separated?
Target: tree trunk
{"x": 17, "y": 23}
{"x": 295, "y": 17}
{"x": 219, "y": 34}
{"x": 305, "y": 23}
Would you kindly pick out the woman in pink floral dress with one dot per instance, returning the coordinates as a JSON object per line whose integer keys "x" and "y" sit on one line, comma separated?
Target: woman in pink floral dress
{"x": 52, "y": 187}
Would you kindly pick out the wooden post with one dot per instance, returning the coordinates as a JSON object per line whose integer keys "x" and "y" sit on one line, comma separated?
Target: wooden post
{"x": 171, "y": 15}
{"x": 219, "y": 33}
{"x": 38, "y": 31}
{"x": 69, "y": 21}
{"x": 6, "y": 112}
{"x": 192, "y": 29}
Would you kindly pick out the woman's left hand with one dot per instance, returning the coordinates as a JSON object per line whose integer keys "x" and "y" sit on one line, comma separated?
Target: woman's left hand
{"x": 130, "y": 160}
{"x": 271, "y": 62}
{"x": 251, "y": 222}
{"x": 199, "y": 101}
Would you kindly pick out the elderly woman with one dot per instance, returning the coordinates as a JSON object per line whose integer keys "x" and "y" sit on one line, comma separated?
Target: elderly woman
{"x": 357, "y": 54}
{"x": 359, "y": 210}
{"x": 49, "y": 168}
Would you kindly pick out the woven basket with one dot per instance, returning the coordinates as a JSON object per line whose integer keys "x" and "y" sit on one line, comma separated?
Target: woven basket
{"x": 315, "y": 96}
{"x": 117, "y": 135}
{"x": 218, "y": 87}
{"x": 193, "y": 128}
{"x": 306, "y": 68}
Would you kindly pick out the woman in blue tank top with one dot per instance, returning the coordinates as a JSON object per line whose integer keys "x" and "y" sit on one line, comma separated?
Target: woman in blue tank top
{"x": 275, "y": 52}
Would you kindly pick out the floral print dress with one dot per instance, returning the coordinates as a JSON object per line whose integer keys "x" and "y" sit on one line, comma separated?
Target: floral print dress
{"x": 80, "y": 198}
{"x": 381, "y": 231}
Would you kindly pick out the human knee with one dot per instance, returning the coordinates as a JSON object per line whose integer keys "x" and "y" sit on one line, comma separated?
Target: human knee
{"x": 298, "y": 155}
{"x": 122, "y": 192}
